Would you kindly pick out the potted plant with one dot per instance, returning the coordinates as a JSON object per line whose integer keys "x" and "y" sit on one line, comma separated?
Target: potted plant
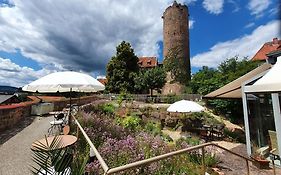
{"x": 259, "y": 160}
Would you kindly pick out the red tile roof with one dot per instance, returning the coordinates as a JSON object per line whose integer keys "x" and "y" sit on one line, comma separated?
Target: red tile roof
{"x": 147, "y": 62}
{"x": 268, "y": 47}
{"x": 102, "y": 80}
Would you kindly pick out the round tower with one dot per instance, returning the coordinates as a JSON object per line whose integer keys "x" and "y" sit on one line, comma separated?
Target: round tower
{"x": 176, "y": 40}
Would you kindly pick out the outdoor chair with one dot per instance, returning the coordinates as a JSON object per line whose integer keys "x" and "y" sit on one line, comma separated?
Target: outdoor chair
{"x": 57, "y": 124}
{"x": 274, "y": 152}
{"x": 217, "y": 131}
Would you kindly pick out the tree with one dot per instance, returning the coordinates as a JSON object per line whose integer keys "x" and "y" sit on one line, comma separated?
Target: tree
{"x": 151, "y": 79}
{"x": 234, "y": 68}
{"x": 122, "y": 69}
{"x": 177, "y": 66}
{"x": 205, "y": 81}
{"x": 208, "y": 80}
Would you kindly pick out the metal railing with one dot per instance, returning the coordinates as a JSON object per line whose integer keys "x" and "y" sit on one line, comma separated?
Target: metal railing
{"x": 157, "y": 158}
{"x": 156, "y": 98}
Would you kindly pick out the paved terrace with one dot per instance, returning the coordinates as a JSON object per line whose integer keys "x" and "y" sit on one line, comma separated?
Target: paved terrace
{"x": 15, "y": 153}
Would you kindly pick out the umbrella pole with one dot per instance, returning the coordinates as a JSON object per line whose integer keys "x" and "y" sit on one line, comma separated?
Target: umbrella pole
{"x": 70, "y": 108}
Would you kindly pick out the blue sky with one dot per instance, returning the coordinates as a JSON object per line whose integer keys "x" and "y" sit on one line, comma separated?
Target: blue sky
{"x": 40, "y": 37}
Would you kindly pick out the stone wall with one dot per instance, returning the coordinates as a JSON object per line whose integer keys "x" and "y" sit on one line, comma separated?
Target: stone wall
{"x": 10, "y": 115}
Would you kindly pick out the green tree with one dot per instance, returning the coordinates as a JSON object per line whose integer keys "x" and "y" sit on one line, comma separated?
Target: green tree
{"x": 151, "y": 79}
{"x": 208, "y": 80}
{"x": 122, "y": 69}
{"x": 177, "y": 66}
{"x": 205, "y": 81}
{"x": 234, "y": 68}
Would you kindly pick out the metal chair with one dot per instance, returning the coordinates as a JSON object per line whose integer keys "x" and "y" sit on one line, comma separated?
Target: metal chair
{"x": 274, "y": 152}
{"x": 57, "y": 124}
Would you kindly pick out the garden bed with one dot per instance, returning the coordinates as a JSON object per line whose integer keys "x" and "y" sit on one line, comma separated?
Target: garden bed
{"x": 124, "y": 137}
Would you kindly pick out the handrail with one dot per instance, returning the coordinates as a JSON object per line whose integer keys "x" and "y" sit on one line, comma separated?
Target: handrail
{"x": 163, "y": 156}
{"x": 157, "y": 158}
{"x": 100, "y": 159}
{"x": 154, "y": 159}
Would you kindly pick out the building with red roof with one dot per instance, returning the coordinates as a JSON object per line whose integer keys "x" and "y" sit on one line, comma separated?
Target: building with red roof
{"x": 148, "y": 62}
{"x": 267, "y": 48}
{"x": 102, "y": 80}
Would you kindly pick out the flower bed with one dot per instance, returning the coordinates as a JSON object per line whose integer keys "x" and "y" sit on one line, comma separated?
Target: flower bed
{"x": 126, "y": 139}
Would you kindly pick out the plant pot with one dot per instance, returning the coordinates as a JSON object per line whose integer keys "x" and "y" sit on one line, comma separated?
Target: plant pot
{"x": 261, "y": 163}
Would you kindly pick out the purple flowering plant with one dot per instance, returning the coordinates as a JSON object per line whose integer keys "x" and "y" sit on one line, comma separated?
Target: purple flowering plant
{"x": 119, "y": 146}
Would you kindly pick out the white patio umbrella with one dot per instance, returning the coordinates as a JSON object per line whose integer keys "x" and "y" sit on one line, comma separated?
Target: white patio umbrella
{"x": 68, "y": 81}
{"x": 185, "y": 106}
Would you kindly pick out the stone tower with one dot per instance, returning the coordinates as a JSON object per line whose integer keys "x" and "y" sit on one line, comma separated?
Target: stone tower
{"x": 176, "y": 39}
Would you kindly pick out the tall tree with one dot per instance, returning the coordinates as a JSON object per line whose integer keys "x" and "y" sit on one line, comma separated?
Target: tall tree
{"x": 122, "y": 69}
{"x": 151, "y": 79}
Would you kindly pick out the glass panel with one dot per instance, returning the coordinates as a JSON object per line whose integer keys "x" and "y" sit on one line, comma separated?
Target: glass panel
{"x": 261, "y": 121}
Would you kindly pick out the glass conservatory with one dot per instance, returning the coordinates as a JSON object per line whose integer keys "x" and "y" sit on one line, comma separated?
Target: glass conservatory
{"x": 261, "y": 103}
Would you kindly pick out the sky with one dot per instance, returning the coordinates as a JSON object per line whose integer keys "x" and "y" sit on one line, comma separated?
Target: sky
{"x": 41, "y": 37}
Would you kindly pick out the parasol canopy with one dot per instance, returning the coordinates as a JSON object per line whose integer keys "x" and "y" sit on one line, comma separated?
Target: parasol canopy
{"x": 64, "y": 82}
{"x": 185, "y": 106}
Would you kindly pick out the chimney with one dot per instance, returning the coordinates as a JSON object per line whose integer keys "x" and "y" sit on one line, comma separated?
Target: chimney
{"x": 275, "y": 41}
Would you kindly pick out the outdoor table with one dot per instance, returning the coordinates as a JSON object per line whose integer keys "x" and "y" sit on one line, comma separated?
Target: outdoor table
{"x": 65, "y": 140}
{"x": 56, "y": 112}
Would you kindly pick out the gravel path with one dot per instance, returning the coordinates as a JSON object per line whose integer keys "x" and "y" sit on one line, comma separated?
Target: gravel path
{"x": 15, "y": 154}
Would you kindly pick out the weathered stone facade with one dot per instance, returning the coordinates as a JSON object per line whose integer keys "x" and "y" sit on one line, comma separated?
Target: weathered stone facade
{"x": 176, "y": 39}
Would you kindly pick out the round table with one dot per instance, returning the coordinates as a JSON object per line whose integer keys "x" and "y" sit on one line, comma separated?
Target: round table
{"x": 65, "y": 140}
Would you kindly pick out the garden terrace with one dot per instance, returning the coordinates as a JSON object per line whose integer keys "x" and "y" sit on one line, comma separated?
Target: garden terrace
{"x": 131, "y": 146}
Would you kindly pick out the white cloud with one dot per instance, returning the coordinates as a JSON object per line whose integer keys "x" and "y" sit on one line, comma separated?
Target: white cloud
{"x": 249, "y": 25}
{"x": 257, "y": 7}
{"x": 191, "y": 23}
{"x": 77, "y": 35}
{"x": 244, "y": 46}
{"x": 12, "y": 74}
{"x": 214, "y": 7}
{"x": 235, "y": 5}
{"x": 80, "y": 35}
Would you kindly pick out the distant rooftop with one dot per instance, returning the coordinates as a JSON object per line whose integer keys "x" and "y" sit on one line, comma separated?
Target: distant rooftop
{"x": 102, "y": 79}
{"x": 268, "y": 47}
{"x": 147, "y": 62}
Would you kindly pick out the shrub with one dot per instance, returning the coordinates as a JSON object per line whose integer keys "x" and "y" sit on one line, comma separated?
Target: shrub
{"x": 211, "y": 160}
{"x": 171, "y": 98}
{"x": 204, "y": 117}
{"x": 130, "y": 149}
{"x": 131, "y": 122}
{"x": 189, "y": 141}
{"x": 238, "y": 137}
{"x": 100, "y": 128}
{"x": 153, "y": 128}
{"x": 108, "y": 108}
